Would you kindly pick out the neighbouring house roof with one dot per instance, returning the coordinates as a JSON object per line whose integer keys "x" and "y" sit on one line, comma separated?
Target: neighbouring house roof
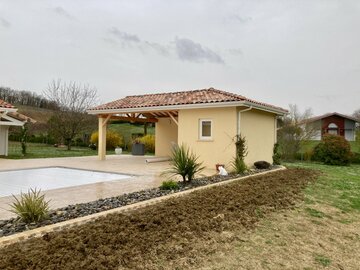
{"x": 4, "y": 104}
{"x": 316, "y": 118}
{"x": 21, "y": 117}
{"x": 181, "y": 99}
{"x": 9, "y": 113}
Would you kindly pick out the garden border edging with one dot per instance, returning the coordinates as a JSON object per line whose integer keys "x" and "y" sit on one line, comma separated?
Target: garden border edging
{"x": 38, "y": 232}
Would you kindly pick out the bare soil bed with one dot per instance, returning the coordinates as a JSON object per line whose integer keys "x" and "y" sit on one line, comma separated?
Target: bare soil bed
{"x": 166, "y": 232}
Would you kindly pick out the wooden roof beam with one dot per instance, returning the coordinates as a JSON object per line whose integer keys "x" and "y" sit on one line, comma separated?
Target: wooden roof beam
{"x": 134, "y": 119}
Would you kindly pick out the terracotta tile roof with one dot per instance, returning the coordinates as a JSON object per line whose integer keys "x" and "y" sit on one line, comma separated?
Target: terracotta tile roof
{"x": 201, "y": 96}
{"x": 4, "y": 104}
{"x": 21, "y": 117}
{"x": 316, "y": 118}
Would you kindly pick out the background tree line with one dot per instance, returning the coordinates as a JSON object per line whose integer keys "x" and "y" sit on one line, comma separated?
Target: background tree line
{"x": 26, "y": 98}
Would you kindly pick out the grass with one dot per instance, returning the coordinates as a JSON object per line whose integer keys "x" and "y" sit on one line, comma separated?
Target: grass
{"x": 38, "y": 150}
{"x": 322, "y": 260}
{"x": 321, "y": 232}
{"x": 338, "y": 186}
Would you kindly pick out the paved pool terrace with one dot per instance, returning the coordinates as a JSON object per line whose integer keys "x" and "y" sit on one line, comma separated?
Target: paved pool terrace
{"x": 133, "y": 174}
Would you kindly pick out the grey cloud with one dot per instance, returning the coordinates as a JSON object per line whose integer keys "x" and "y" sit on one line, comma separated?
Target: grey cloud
{"x": 131, "y": 39}
{"x": 235, "y": 51}
{"x": 123, "y": 36}
{"x": 62, "y": 12}
{"x": 5, "y": 23}
{"x": 189, "y": 50}
{"x": 158, "y": 48}
{"x": 240, "y": 19}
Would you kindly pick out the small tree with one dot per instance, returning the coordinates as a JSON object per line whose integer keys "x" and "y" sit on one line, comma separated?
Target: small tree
{"x": 73, "y": 100}
{"x": 23, "y": 138}
{"x": 356, "y": 114}
{"x": 294, "y": 129}
{"x": 241, "y": 152}
{"x": 276, "y": 155}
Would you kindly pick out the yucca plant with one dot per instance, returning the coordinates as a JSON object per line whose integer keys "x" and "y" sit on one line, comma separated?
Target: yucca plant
{"x": 31, "y": 206}
{"x": 184, "y": 163}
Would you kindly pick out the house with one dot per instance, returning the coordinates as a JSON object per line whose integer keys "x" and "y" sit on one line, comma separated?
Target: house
{"x": 206, "y": 120}
{"x": 333, "y": 123}
{"x": 9, "y": 117}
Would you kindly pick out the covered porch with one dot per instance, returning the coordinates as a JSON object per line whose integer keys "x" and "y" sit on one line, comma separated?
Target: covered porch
{"x": 166, "y": 128}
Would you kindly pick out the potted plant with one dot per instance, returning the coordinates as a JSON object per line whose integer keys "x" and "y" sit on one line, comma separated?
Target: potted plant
{"x": 138, "y": 148}
{"x": 118, "y": 150}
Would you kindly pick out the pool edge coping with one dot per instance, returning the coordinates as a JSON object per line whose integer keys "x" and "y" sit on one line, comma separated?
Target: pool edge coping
{"x": 38, "y": 232}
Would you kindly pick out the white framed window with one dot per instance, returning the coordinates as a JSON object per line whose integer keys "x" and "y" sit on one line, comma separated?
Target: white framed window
{"x": 205, "y": 129}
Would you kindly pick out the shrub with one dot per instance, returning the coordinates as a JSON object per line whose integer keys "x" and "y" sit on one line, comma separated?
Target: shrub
{"x": 276, "y": 155}
{"x": 113, "y": 139}
{"x": 241, "y": 152}
{"x": 169, "y": 185}
{"x": 149, "y": 141}
{"x": 355, "y": 158}
{"x": 31, "y": 206}
{"x": 333, "y": 150}
{"x": 184, "y": 163}
{"x": 262, "y": 164}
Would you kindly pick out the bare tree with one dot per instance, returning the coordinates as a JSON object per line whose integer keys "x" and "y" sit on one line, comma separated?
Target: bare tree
{"x": 295, "y": 129}
{"x": 73, "y": 100}
{"x": 356, "y": 114}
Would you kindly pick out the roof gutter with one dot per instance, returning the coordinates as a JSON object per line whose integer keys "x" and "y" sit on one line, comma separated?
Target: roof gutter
{"x": 6, "y": 110}
{"x": 188, "y": 107}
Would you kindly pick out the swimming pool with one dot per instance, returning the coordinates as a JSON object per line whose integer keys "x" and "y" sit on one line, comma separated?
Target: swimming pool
{"x": 17, "y": 181}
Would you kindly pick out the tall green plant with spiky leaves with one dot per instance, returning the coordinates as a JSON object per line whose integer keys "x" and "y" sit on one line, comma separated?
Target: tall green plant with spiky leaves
{"x": 31, "y": 206}
{"x": 184, "y": 163}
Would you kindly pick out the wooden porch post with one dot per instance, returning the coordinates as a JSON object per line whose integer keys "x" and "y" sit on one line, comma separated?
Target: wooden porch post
{"x": 102, "y": 138}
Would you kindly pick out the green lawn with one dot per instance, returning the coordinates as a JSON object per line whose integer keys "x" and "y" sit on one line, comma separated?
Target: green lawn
{"x": 38, "y": 150}
{"x": 338, "y": 186}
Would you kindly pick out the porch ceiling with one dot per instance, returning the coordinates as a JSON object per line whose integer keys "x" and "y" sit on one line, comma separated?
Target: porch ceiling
{"x": 142, "y": 117}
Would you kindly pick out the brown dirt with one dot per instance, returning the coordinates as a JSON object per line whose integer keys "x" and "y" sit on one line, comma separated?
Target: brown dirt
{"x": 293, "y": 239}
{"x": 175, "y": 234}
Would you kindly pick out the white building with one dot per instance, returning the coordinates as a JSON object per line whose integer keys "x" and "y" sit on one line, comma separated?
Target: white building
{"x": 9, "y": 117}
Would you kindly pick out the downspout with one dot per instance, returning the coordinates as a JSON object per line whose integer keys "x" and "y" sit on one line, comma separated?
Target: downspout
{"x": 239, "y": 118}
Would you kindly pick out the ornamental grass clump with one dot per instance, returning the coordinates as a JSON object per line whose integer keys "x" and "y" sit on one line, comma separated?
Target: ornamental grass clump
{"x": 184, "y": 163}
{"x": 169, "y": 185}
{"x": 31, "y": 206}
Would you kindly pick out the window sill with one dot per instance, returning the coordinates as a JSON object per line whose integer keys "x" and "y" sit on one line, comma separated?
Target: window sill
{"x": 205, "y": 140}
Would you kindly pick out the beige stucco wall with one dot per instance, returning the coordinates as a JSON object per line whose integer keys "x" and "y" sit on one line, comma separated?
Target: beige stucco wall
{"x": 221, "y": 149}
{"x": 259, "y": 130}
{"x": 166, "y": 133}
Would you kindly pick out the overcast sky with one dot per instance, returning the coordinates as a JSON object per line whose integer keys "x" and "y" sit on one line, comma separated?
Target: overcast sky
{"x": 280, "y": 52}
